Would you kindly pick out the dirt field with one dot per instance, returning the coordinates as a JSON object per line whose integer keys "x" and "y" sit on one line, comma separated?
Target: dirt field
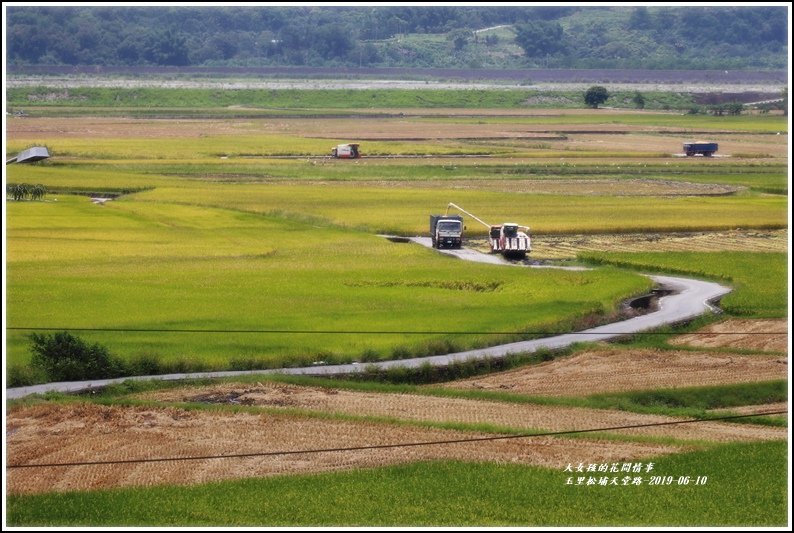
{"x": 618, "y": 370}
{"x": 743, "y": 334}
{"x": 88, "y": 432}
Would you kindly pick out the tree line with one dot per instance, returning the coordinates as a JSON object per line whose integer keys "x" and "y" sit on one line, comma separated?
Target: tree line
{"x": 549, "y": 36}
{"x": 687, "y": 37}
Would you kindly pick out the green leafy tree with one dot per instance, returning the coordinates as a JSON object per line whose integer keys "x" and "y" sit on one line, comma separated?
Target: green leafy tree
{"x": 595, "y": 96}
{"x": 65, "y": 357}
{"x": 638, "y": 100}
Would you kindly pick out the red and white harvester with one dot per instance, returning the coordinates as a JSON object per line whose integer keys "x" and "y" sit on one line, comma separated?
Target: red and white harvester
{"x": 509, "y": 239}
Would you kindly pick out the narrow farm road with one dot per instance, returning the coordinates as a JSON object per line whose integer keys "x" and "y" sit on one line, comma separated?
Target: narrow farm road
{"x": 690, "y": 298}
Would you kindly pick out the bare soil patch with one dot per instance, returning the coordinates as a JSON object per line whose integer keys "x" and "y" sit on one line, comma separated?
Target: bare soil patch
{"x": 618, "y": 370}
{"x": 89, "y": 432}
{"x": 763, "y": 335}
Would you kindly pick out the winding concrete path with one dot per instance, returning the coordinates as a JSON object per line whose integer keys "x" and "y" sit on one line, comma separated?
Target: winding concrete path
{"x": 690, "y": 299}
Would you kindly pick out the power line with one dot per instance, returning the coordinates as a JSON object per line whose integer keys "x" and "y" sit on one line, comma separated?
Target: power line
{"x": 383, "y": 446}
{"x": 376, "y": 332}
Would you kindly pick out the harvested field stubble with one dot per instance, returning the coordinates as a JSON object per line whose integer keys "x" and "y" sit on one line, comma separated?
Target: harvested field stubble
{"x": 88, "y": 432}
{"x": 568, "y": 246}
{"x": 763, "y": 335}
{"x": 754, "y": 409}
{"x": 414, "y": 407}
{"x": 617, "y": 370}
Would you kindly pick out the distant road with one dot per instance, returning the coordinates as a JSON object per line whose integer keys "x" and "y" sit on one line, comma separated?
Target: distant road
{"x": 493, "y": 28}
{"x": 691, "y": 299}
{"x": 612, "y": 76}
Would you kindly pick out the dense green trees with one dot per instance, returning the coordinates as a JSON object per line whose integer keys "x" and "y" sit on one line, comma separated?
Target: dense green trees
{"x": 714, "y": 37}
{"x": 540, "y": 38}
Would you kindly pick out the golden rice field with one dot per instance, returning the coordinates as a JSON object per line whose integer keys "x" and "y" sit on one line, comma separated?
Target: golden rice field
{"x": 248, "y": 224}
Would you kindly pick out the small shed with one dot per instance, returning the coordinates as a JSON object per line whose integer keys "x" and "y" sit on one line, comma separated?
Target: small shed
{"x": 37, "y": 153}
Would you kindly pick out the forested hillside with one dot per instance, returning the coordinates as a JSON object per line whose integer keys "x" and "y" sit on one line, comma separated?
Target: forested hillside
{"x": 714, "y": 37}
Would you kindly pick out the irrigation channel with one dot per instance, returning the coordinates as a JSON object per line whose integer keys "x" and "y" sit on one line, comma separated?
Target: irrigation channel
{"x": 682, "y": 299}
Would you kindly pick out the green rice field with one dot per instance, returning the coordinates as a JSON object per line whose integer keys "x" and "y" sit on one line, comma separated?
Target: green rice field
{"x": 146, "y": 268}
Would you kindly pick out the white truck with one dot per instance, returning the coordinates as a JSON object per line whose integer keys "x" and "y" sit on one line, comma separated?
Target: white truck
{"x": 446, "y": 231}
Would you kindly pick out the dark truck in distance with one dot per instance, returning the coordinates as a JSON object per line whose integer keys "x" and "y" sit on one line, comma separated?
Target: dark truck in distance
{"x": 446, "y": 231}
{"x": 705, "y": 149}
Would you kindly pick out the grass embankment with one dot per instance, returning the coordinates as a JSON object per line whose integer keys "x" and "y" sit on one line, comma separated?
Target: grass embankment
{"x": 283, "y": 99}
{"x": 203, "y": 102}
{"x": 745, "y": 485}
{"x": 361, "y": 100}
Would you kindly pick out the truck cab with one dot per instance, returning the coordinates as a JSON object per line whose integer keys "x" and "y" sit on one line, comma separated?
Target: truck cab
{"x": 446, "y": 231}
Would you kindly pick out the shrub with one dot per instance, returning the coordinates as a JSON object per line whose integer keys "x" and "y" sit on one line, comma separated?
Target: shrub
{"x": 65, "y": 357}
{"x": 145, "y": 365}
